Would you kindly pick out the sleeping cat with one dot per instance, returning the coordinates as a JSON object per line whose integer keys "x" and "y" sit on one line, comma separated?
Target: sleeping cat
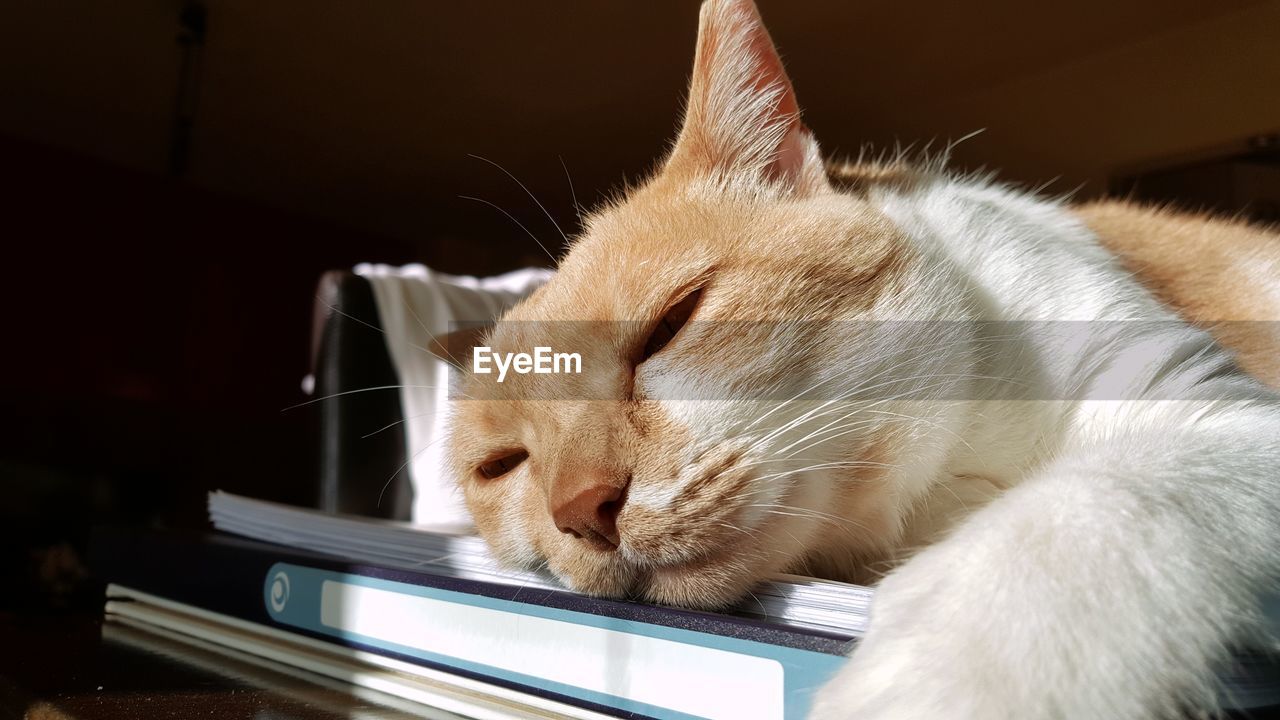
{"x": 1072, "y": 492}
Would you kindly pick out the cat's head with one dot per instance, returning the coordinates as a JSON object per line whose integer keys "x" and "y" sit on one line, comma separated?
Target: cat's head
{"x": 671, "y": 469}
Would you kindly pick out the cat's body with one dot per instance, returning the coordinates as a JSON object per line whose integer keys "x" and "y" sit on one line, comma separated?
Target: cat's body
{"x": 1220, "y": 274}
{"x": 1074, "y": 492}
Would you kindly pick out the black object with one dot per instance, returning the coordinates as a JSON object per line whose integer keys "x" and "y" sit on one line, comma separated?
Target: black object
{"x": 363, "y": 469}
{"x": 1241, "y": 179}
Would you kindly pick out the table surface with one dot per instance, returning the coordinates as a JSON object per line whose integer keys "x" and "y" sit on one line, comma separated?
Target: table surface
{"x": 77, "y": 667}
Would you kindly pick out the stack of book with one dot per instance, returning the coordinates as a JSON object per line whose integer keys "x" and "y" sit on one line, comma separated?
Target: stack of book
{"x": 433, "y": 618}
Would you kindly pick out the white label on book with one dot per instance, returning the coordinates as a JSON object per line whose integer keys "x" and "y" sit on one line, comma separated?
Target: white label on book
{"x": 699, "y": 681}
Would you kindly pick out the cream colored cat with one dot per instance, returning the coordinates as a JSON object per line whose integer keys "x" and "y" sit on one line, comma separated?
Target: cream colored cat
{"x": 1075, "y": 493}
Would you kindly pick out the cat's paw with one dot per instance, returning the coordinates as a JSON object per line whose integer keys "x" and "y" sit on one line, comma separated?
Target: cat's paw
{"x": 900, "y": 682}
{"x": 896, "y": 684}
{"x": 934, "y": 651}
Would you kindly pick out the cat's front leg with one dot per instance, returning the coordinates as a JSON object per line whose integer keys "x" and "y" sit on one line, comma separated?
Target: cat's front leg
{"x": 1105, "y": 588}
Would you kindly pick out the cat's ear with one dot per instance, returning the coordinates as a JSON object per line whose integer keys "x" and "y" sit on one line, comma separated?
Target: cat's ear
{"x": 741, "y": 117}
{"x": 455, "y": 347}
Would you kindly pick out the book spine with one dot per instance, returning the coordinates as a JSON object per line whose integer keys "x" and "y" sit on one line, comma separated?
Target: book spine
{"x": 637, "y": 661}
{"x": 637, "y": 668}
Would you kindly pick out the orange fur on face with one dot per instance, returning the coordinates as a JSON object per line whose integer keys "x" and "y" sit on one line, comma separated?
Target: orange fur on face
{"x": 721, "y": 489}
{"x": 743, "y": 212}
{"x": 760, "y": 261}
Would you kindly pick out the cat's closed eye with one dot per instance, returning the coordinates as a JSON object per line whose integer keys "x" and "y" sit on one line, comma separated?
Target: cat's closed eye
{"x": 499, "y": 466}
{"x": 670, "y": 324}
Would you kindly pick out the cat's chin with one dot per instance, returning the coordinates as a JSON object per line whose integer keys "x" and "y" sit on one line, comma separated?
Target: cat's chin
{"x": 706, "y": 565}
{"x": 699, "y": 590}
{"x": 710, "y": 584}
{"x": 714, "y": 582}
{"x": 596, "y": 573}
{"x": 704, "y": 586}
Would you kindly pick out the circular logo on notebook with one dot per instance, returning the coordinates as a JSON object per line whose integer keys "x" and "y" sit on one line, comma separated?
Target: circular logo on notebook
{"x": 279, "y": 591}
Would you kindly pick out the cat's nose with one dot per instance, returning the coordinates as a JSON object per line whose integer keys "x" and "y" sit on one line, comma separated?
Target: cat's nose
{"x": 588, "y": 509}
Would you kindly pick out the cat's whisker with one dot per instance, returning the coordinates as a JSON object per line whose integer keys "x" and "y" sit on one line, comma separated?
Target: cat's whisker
{"x": 437, "y": 560}
{"x": 932, "y": 423}
{"x": 753, "y": 532}
{"x": 513, "y": 219}
{"x": 949, "y": 489}
{"x": 331, "y": 396}
{"x": 789, "y": 474}
{"x": 543, "y": 565}
{"x": 418, "y": 320}
{"x": 404, "y": 465}
{"x": 577, "y": 209}
{"x": 790, "y": 425}
{"x": 826, "y": 466}
{"x": 793, "y": 398}
{"x": 812, "y": 415}
{"x": 832, "y": 431}
{"x": 869, "y": 408}
{"x": 913, "y": 418}
{"x": 528, "y": 192}
{"x": 841, "y": 422}
{"x": 862, "y": 388}
{"x": 794, "y": 539}
{"x": 763, "y": 612}
{"x": 795, "y": 511}
{"x": 839, "y": 434}
{"x": 789, "y": 459}
{"x": 353, "y": 318}
{"x": 390, "y": 425}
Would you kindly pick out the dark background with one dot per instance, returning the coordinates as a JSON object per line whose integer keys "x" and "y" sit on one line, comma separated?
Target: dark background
{"x": 174, "y": 178}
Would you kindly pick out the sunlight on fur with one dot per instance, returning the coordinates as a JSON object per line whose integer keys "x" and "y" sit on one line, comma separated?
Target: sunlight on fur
{"x": 738, "y": 416}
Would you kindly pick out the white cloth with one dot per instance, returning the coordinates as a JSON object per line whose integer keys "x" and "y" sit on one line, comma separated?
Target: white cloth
{"x": 415, "y": 304}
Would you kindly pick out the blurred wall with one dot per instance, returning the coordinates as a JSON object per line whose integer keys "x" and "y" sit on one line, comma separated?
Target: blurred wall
{"x": 365, "y": 113}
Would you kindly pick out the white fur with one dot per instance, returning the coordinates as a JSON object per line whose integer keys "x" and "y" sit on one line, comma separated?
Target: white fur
{"x": 1137, "y": 535}
{"x": 1102, "y": 542}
